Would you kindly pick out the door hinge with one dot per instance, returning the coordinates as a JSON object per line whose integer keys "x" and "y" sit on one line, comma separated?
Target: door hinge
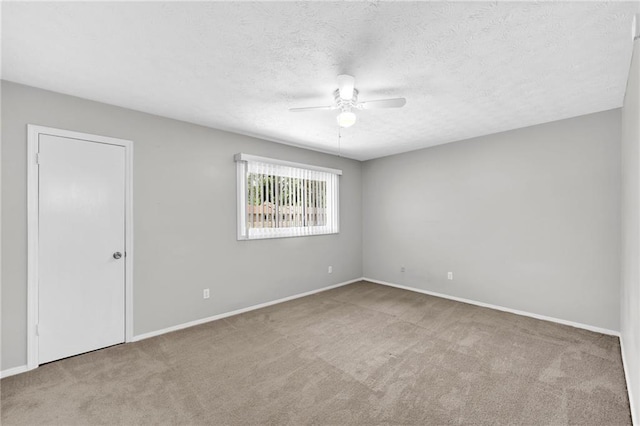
{"x": 37, "y": 329}
{"x": 38, "y": 158}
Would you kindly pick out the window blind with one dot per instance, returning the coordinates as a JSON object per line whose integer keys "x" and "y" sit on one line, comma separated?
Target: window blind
{"x": 283, "y": 199}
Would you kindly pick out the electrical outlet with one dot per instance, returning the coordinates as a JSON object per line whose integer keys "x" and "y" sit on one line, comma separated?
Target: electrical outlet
{"x": 205, "y": 293}
{"x": 450, "y": 275}
{"x": 402, "y": 269}
{"x": 330, "y": 270}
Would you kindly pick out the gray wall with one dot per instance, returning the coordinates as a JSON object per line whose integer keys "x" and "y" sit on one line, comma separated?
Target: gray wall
{"x": 527, "y": 219}
{"x": 184, "y": 217}
{"x": 630, "y": 301}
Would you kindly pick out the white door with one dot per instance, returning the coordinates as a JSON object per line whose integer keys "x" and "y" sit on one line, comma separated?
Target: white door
{"x": 81, "y": 278}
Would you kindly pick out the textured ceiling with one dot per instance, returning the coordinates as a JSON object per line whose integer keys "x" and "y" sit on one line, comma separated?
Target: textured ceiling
{"x": 466, "y": 69}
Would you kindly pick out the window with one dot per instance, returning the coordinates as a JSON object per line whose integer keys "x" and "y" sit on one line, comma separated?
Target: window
{"x": 283, "y": 199}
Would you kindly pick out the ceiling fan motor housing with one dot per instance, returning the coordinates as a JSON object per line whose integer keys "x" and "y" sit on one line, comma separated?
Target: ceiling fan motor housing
{"x": 346, "y": 104}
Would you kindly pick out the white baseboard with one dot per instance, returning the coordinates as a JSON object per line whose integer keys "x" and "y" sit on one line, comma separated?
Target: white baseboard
{"x": 634, "y": 413}
{"x": 13, "y": 371}
{"x": 237, "y": 311}
{"x": 500, "y": 308}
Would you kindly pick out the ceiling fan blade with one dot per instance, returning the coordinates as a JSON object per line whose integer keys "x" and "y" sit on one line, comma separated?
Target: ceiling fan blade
{"x": 346, "y": 84}
{"x": 383, "y": 103}
{"x": 318, "y": 108}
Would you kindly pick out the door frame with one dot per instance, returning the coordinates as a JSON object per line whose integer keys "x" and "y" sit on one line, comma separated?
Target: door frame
{"x": 33, "y": 232}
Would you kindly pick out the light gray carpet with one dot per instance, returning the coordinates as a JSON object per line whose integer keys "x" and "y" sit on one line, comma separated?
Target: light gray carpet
{"x": 360, "y": 354}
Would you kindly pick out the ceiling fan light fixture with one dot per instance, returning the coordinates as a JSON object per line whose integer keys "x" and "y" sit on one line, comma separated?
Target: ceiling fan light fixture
{"x": 346, "y": 119}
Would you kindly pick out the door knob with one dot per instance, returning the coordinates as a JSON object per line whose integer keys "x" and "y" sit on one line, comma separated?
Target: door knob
{"x": 117, "y": 255}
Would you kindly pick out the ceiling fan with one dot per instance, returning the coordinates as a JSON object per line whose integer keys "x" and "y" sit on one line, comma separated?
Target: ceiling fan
{"x": 346, "y": 100}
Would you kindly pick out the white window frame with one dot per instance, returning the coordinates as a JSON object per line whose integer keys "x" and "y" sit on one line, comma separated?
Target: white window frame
{"x": 328, "y": 175}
